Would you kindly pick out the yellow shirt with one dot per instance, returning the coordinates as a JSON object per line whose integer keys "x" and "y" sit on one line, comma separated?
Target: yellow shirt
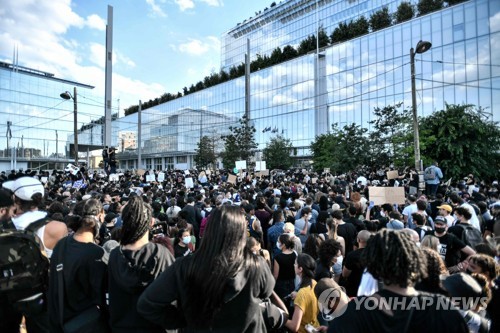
{"x": 307, "y": 302}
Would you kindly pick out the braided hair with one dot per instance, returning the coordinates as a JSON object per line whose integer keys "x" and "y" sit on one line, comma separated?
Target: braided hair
{"x": 392, "y": 257}
{"x": 136, "y": 216}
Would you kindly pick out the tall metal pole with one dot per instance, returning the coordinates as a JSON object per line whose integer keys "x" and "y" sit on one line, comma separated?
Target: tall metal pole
{"x": 139, "y": 133}
{"x": 247, "y": 82}
{"x": 414, "y": 112}
{"x": 75, "y": 125}
{"x": 108, "y": 78}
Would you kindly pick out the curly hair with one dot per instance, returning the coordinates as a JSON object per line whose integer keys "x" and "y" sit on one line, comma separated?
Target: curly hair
{"x": 136, "y": 220}
{"x": 328, "y": 250}
{"x": 392, "y": 257}
{"x": 435, "y": 268}
{"x": 488, "y": 265}
{"x": 485, "y": 285}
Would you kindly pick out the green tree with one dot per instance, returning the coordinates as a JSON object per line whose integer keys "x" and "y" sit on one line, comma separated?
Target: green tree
{"x": 428, "y": 6}
{"x": 454, "y": 2}
{"x": 380, "y": 19}
{"x": 307, "y": 45}
{"x": 277, "y": 153}
{"x": 323, "y": 37}
{"x": 341, "y": 150}
{"x": 289, "y": 53}
{"x": 462, "y": 142}
{"x": 405, "y": 12}
{"x": 341, "y": 33}
{"x": 360, "y": 27}
{"x": 391, "y": 136}
{"x": 205, "y": 153}
{"x": 239, "y": 144}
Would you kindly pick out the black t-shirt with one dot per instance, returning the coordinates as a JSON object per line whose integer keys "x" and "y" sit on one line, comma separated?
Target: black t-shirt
{"x": 85, "y": 279}
{"x": 353, "y": 263}
{"x": 348, "y": 231}
{"x": 322, "y": 272}
{"x": 450, "y": 249}
{"x": 181, "y": 251}
{"x": 318, "y": 228}
{"x": 286, "y": 263}
{"x": 429, "y": 313}
{"x": 356, "y": 222}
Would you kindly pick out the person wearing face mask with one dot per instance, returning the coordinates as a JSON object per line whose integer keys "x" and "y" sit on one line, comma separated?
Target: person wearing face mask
{"x": 451, "y": 246}
{"x": 182, "y": 244}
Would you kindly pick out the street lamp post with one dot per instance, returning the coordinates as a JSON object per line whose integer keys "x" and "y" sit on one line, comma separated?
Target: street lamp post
{"x": 67, "y": 95}
{"x": 422, "y": 46}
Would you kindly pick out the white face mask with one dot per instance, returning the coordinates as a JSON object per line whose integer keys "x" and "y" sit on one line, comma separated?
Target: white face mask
{"x": 278, "y": 245}
{"x": 382, "y": 214}
{"x": 186, "y": 239}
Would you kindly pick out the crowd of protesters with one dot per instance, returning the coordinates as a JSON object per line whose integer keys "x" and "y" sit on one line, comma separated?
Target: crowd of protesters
{"x": 199, "y": 251}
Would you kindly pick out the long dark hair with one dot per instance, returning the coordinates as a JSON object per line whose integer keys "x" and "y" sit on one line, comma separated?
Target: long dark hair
{"x": 220, "y": 257}
{"x": 308, "y": 265}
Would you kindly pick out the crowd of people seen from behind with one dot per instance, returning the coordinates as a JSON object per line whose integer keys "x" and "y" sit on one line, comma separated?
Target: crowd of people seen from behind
{"x": 284, "y": 251}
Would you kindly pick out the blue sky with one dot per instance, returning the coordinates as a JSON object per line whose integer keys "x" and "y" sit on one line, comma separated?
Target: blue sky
{"x": 159, "y": 45}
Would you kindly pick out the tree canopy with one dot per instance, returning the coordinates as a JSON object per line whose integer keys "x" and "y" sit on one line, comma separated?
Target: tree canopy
{"x": 278, "y": 153}
{"x": 459, "y": 138}
{"x": 205, "y": 153}
{"x": 239, "y": 144}
{"x": 462, "y": 141}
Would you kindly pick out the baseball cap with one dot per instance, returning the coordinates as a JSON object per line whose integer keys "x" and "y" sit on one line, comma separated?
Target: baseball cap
{"x": 446, "y": 208}
{"x": 25, "y": 187}
{"x": 440, "y": 220}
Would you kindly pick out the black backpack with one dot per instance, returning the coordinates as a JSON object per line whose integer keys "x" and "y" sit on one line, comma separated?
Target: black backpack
{"x": 23, "y": 267}
{"x": 470, "y": 236}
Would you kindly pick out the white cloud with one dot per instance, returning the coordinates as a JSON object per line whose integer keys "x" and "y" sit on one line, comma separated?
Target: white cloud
{"x": 282, "y": 100}
{"x": 185, "y": 4}
{"x": 213, "y": 3}
{"x": 156, "y": 9}
{"x": 121, "y": 58}
{"x": 97, "y": 54}
{"x": 43, "y": 44}
{"x": 96, "y": 22}
{"x": 198, "y": 47}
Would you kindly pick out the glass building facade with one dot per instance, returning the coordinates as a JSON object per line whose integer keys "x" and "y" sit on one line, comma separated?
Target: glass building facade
{"x": 36, "y": 124}
{"x": 298, "y": 99}
{"x": 343, "y": 83}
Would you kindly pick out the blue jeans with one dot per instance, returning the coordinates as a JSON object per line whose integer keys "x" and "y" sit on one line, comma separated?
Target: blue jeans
{"x": 431, "y": 189}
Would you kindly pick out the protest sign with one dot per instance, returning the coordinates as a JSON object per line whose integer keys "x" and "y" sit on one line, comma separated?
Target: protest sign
{"x": 391, "y": 195}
